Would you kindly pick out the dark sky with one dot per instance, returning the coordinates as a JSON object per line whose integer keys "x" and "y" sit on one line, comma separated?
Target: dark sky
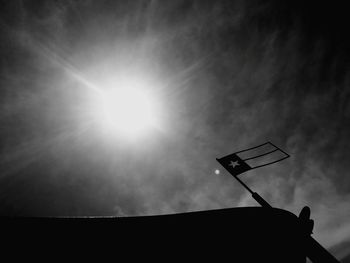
{"x": 229, "y": 75}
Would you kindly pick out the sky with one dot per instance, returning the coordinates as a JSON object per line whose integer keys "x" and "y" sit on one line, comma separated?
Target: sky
{"x": 225, "y": 76}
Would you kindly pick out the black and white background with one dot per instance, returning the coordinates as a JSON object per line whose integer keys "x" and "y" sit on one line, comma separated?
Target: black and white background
{"x": 227, "y": 75}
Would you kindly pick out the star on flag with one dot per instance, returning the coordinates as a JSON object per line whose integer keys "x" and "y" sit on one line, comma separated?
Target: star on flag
{"x": 234, "y": 164}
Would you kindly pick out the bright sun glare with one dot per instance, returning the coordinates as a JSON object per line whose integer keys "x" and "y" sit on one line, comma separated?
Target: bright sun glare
{"x": 125, "y": 101}
{"x": 128, "y": 111}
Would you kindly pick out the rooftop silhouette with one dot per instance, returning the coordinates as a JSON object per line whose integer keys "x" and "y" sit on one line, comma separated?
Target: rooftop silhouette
{"x": 250, "y": 234}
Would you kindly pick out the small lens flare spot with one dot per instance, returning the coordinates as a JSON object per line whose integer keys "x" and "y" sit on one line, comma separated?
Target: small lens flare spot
{"x": 217, "y": 171}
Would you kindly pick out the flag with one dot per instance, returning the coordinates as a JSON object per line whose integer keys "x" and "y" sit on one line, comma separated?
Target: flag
{"x": 236, "y": 165}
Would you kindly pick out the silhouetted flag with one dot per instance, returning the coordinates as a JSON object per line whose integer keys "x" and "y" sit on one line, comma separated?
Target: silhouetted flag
{"x": 235, "y": 165}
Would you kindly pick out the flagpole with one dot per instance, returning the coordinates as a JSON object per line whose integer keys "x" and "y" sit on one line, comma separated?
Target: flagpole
{"x": 255, "y": 195}
{"x": 261, "y": 200}
{"x": 244, "y": 185}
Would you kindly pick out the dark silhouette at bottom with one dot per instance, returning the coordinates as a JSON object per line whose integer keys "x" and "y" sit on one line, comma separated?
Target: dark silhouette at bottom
{"x": 247, "y": 234}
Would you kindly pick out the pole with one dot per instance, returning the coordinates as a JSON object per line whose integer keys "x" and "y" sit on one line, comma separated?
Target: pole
{"x": 316, "y": 253}
{"x": 244, "y": 185}
{"x": 261, "y": 200}
{"x": 255, "y": 195}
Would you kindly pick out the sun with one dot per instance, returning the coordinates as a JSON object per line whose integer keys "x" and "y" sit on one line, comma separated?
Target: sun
{"x": 124, "y": 100}
{"x": 127, "y": 111}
